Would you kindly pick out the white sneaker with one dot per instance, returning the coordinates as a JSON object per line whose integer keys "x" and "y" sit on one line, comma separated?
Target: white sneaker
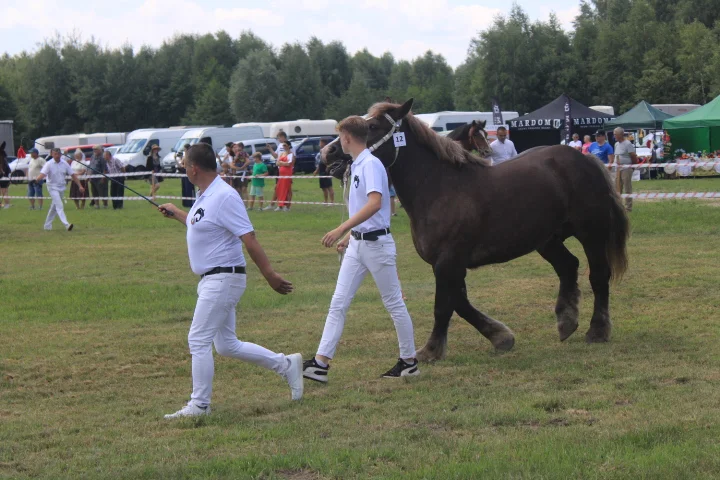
{"x": 269, "y": 207}
{"x": 189, "y": 410}
{"x": 294, "y": 376}
{"x": 277, "y": 209}
{"x": 285, "y": 209}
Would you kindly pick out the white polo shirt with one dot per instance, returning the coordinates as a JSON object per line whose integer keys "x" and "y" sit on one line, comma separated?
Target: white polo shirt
{"x": 214, "y": 224}
{"x": 502, "y": 151}
{"x": 367, "y": 175}
{"x": 56, "y": 173}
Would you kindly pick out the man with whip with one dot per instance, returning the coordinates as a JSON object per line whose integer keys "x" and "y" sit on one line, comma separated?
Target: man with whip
{"x": 217, "y": 227}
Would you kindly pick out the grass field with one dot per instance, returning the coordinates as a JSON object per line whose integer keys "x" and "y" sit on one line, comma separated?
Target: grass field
{"x": 93, "y": 352}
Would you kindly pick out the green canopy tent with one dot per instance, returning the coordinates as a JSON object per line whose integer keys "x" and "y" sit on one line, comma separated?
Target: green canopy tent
{"x": 696, "y": 131}
{"x": 642, "y": 115}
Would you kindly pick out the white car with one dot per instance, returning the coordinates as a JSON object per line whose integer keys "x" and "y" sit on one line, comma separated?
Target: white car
{"x": 19, "y": 167}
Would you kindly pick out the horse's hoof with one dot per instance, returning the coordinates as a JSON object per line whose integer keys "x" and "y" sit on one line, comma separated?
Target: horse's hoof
{"x": 597, "y": 336}
{"x": 427, "y": 354}
{"x": 565, "y": 329}
{"x": 505, "y": 343}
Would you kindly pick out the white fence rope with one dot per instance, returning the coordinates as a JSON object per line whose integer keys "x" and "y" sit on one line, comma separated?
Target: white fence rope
{"x": 674, "y": 166}
{"x": 641, "y": 196}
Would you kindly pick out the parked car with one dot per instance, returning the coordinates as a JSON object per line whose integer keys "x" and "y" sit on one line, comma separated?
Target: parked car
{"x": 86, "y": 149}
{"x": 305, "y": 152}
{"x": 113, "y": 150}
{"x": 169, "y": 164}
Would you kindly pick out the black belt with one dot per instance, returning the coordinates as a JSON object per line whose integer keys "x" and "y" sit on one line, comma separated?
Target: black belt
{"x": 217, "y": 270}
{"x": 370, "y": 236}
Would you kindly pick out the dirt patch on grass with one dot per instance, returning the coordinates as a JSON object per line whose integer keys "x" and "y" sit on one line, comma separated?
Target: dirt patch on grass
{"x": 298, "y": 474}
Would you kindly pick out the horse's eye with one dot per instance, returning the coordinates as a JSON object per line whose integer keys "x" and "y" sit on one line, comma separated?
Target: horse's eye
{"x": 372, "y": 127}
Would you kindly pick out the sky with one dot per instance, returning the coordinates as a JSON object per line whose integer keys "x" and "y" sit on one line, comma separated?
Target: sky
{"x": 405, "y": 28}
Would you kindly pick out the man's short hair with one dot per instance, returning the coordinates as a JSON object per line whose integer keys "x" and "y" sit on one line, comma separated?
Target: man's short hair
{"x": 281, "y": 134}
{"x": 501, "y": 129}
{"x": 202, "y": 156}
{"x": 240, "y": 144}
{"x": 356, "y": 126}
{"x": 56, "y": 149}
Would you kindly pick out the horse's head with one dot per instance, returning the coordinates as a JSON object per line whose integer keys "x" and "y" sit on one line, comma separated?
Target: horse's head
{"x": 336, "y": 160}
{"x": 380, "y": 130}
{"x": 478, "y": 138}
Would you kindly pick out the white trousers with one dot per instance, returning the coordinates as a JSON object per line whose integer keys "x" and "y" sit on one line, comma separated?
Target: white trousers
{"x": 56, "y": 209}
{"x": 378, "y": 258}
{"x": 214, "y": 322}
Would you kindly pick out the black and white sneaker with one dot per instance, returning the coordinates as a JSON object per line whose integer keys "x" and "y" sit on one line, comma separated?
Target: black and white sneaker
{"x": 313, "y": 371}
{"x": 403, "y": 369}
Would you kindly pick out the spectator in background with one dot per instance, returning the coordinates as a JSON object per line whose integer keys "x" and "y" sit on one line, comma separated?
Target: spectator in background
{"x": 601, "y": 149}
{"x": 98, "y": 185}
{"x": 188, "y": 189}
{"x": 239, "y": 168}
{"x": 4, "y": 174}
{"x": 258, "y": 183}
{"x": 321, "y": 169}
{"x": 286, "y": 162}
{"x": 152, "y": 164}
{"x": 503, "y": 149}
{"x": 78, "y": 166}
{"x": 587, "y": 141}
{"x": 624, "y": 155}
{"x": 576, "y": 143}
{"x": 34, "y": 187}
{"x": 117, "y": 188}
{"x": 281, "y": 138}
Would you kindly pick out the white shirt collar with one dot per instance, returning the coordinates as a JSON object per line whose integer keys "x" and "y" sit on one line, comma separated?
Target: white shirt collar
{"x": 363, "y": 155}
{"x": 212, "y": 187}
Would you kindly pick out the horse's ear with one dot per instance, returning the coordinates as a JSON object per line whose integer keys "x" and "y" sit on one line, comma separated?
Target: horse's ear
{"x": 403, "y": 110}
{"x": 481, "y": 123}
{"x": 2, "y": 147}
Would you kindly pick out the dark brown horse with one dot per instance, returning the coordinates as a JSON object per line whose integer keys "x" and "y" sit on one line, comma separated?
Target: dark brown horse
{"x": 472, "y": 137}
{"x": 465, "y": 213}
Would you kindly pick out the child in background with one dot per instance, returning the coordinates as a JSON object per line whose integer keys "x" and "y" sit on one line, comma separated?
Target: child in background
{"x": 258, "y": 184}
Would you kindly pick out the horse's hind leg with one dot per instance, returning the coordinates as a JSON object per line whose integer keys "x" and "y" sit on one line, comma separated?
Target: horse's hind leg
{"x": 566, "y": 267}
{"x": 600, "y": 325}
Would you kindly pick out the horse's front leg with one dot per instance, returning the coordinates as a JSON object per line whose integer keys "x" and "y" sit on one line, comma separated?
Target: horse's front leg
{"x": 436, "y": 346}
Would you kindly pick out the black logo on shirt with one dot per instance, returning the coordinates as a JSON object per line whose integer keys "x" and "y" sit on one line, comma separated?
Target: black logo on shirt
{"x": 356, "y": 181}
{"x": 199, "y": 214}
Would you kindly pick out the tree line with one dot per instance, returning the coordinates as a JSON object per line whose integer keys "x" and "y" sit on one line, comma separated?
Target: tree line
{"x": 618, "y": 52}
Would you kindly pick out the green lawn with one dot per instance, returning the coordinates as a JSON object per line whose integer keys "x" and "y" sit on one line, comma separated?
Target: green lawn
{"x": 93, "y": 352}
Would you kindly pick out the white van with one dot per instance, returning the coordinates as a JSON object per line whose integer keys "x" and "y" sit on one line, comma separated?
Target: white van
{"x": 116, "y": 138}
{"x": 216, "y": 137}
{"x": 264, "y": 125}
{"x": 45, "y": 144}
{"x": 139, "y": 142}
{"x": 304, "y": 128}
{"x": 446, "y": 121}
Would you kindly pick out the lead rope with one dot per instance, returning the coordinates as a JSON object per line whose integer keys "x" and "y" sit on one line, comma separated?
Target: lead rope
{"x": 346, "y": 208}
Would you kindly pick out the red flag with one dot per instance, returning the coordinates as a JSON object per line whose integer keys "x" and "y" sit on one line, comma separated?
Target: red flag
{"x": 21, "y": 152}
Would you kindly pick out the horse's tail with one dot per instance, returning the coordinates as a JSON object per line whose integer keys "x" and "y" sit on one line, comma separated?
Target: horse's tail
{"x": 618, "y": 229}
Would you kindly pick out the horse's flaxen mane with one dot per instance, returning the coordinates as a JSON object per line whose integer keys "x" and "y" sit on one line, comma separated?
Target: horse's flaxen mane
{"x": 444, "y": 148}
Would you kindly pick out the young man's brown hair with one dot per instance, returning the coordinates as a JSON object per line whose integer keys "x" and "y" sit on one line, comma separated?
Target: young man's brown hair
{"x": 356, "y": 126}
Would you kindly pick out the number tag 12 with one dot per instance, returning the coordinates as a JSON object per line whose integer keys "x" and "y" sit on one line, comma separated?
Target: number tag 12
{"x": 399, "y": 139}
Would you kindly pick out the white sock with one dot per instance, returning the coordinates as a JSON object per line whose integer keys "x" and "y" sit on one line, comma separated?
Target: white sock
{"x": 321, "y": 363}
